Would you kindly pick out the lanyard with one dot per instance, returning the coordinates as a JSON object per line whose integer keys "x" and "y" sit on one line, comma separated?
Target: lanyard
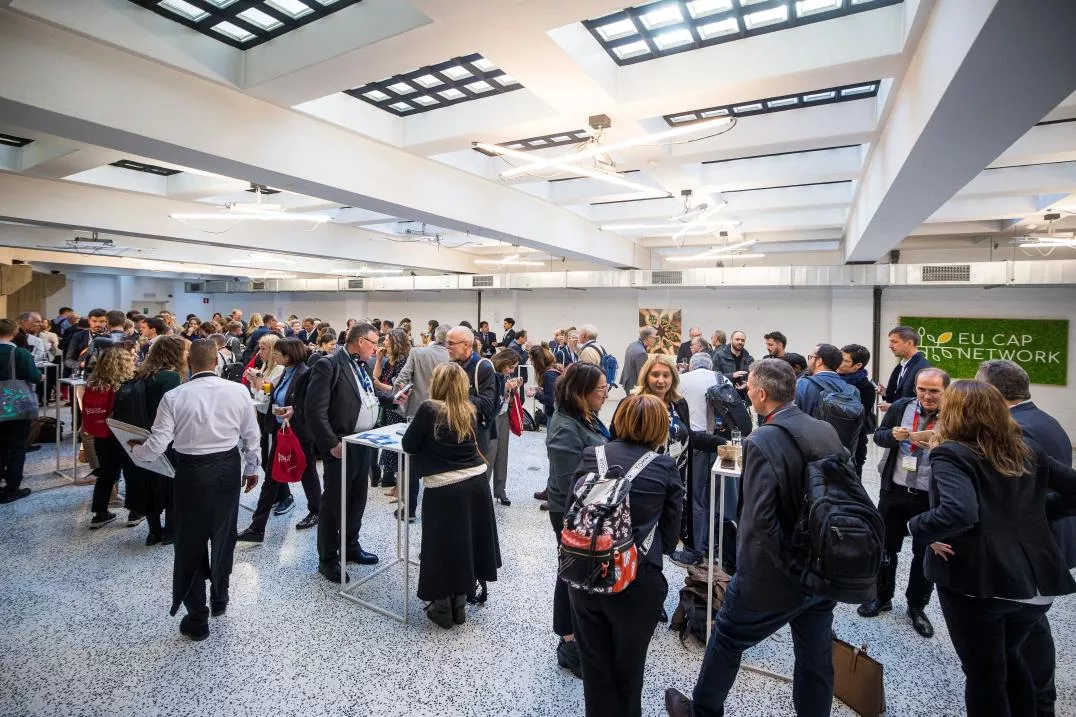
{"x": 913, "y": 449}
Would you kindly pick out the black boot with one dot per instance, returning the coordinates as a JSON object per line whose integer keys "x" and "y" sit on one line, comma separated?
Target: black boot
{"x": 479, "y": 596}
{"x": 569, "y": 658}
{"x": 459, "y": 609}
{"x": 440, "y": 612}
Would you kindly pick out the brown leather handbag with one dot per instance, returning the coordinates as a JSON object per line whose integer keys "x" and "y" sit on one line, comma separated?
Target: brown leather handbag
{"x": 858, "y": 679}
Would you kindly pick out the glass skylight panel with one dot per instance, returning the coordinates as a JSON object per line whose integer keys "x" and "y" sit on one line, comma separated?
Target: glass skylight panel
{"x": 617, "y": 30}
{"x": 708, "y": 114}
{"x": 672, "y": 38}
{"x": 751, "y": 107}
{"x": 762, "y": 18}
{"x": 678, "y": 119}
{"x": 424, "y": 100}
{"x": 184, "y": 8}
{"x": 233, "y": 31}
{"x": 717, "y": 29}
{"x": 781, "y": 103}
{"x": 661, "y": 17}
{"x": 805, "y": 8}
{"x": 427, "y": 81}
{"x": 221, "y": 3}
{"x": 456, "y": 73}
{"x": 540, "y": 142}
{"x": 479, "y": 87}
{"x": 656, "y": 29}
{"x": 702, "y": 8}
{"x": 861, "y": 90}
{"x": 819, "y": 96}
{"x": 401, "y": 88}
{"x": 401, "y": 106}
{"x": 514, "y": 145}
{"x": 290, "y": 7}
{"x": 484, "y": 65}
{"x": 562, "y": 138}
{"x": 259, "y": 18}
{"x": 452, "y": 94}
{"x": 376, "y": 95}
{"x": 505, "y": 80}
{"x": 632, "y": 49}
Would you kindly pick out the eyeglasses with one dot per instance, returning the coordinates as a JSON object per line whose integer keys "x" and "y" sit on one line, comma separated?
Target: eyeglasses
{"x": 456, "y": 343}
{"x": 810, "y": 356}
{"x": 602, "y": 389}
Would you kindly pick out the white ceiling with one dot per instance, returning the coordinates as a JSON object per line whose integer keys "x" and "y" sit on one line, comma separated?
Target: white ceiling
{"x": 954, "y": 146}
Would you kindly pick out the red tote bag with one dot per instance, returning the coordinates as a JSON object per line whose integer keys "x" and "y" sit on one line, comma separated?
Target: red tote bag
{"x": 289, "y": 461}
{"x": 515, "y": 414}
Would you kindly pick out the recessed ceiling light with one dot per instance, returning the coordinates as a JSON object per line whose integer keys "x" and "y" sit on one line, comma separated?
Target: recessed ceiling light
{"x": 721, "y": 112}
{"x": 661, "y": 17}
{"x": 702, "y": 8}
{"x": 455, "y": 72}
{"x": 717, "y": 29}
{"x": 750, "y": 107}
{"x": 184, "y": 8}
{"x": 677, "y": 119}
{"x": 233, "y": 31}
{"x": 263, "y": 20}
{"x": 762, "y": 18}
{"x": 672, "y": 38}
{"x": 617, "y": 30}
{"x": 632, "y": 49}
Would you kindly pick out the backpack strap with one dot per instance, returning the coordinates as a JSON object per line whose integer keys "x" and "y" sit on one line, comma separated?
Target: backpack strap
{"x": 474, "y": 374}
{"x": 603, "y": 462}
{"x": 640, "y": 464}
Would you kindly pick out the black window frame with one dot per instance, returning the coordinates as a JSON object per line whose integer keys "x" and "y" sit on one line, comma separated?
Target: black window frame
{"x": 153, "y": 169}
{"x": 730, "y": 110}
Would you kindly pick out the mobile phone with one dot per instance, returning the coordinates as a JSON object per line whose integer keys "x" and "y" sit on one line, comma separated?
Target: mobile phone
{"x": 402, "y": 391}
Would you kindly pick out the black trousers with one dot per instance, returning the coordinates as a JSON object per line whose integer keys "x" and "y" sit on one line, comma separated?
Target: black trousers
{"x": 1041, "y": 659}
{"x": 613, "y": 633}
{"x": 897, "y": 507}
{"x": 272, "y": 491}
{"x": 206, "y": 505}
{"x": 110, "y": 457}
{"x": 989, "y": 636}
{"x": 358, "y": 472}
{"x": 13, "y": 435}
{"x": 562, "y": 608}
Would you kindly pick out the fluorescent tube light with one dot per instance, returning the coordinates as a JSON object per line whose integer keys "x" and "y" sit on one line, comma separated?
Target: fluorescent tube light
{"x": 365, "y": 270}
{"x": 600, "y": 149}
{"x": 254, "y": 216}
{"x": 567, "y": 167}
{"x": 678, "y": 225}
{"x": 514, "y": 262}
{"x": 715, "y": 253}
{"x": 699, "y": 220}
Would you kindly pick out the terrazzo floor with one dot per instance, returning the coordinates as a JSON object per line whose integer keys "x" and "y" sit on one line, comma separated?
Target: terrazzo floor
{"x": 87, "y": 632}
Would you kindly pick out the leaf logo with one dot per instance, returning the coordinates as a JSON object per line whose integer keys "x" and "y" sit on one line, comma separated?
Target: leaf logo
{"x": 945, "y": 338}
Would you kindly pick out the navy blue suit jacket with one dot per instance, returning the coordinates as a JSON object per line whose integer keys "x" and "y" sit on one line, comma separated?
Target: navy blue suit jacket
{"x": 1044, "y": 429}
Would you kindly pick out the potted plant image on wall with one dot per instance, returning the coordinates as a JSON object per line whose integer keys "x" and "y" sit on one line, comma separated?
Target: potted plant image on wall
{"x": 667, "y": 322}
{"x": 960, "y": 345}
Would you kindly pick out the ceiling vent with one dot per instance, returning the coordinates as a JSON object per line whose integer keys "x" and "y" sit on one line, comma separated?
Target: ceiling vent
{"x": 191, "y": 287}
{"x": 946, "y": 272}
{"x": 667, "y": 278}
{"x": 356, "y": 283}
{"x": 482, "y": 282}
{"x": 257, "y": 285}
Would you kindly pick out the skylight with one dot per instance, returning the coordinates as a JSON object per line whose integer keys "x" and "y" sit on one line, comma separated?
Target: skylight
{"x": 455, "y": 81}
{"x": 666, "y": 27}
{"x": 147, "y": 168}
{"x": 560, "y": 139}
{"x": 244, "y": 23}
{"x": 846, "y": 93}
{"x": 11, "y": 141}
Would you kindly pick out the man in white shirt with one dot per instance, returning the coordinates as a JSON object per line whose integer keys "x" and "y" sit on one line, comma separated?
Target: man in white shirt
{"x": 208, "y": 421}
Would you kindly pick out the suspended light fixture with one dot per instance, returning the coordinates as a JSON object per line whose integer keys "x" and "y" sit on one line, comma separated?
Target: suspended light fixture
{"x": 728, "y": 251}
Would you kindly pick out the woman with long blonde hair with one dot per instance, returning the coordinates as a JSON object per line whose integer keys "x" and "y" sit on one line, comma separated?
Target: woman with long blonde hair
{"x": 255, "y": 322}
{"x": 113, "y": 367}
{"x": 993, "y": 557}
{"x": 459, "y": 535}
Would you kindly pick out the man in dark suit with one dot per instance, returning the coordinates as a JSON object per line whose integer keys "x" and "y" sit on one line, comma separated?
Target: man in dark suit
{"x": 766, "y": 592}
{"x": 1042, "y": 428}
{"x": 482, "y": 382}
{"x": 683, "y": 354}
{"x": 488, "y": 339}
{"x": 340, "y": 401}
{"x": 509, "y": 332}
{"x": 904, "y": 343}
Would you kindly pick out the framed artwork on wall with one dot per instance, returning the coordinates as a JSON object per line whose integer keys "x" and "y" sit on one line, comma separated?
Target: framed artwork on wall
{"x": 668, "y": 324}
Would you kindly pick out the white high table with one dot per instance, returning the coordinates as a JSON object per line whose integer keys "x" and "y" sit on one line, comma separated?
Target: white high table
{"x": 76, "y": 384}
{"x": 386, "y": 438}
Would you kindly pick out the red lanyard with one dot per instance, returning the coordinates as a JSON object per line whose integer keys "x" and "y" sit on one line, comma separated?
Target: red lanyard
{"x": 915, "y": 428}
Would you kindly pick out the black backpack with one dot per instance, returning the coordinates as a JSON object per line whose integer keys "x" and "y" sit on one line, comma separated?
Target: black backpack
{"x": 729, "y": 409}
{"x": 841, "y": 409}
{"x": 130, "y": 404}
{"x": 232, "y": 370}
{"x": 838, "y": 538}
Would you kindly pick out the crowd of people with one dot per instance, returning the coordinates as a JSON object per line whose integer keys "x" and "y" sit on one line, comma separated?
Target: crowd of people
{"x": 972, "y": 471}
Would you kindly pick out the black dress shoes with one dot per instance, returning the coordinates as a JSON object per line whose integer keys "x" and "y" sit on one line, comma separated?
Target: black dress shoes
{"x": 218, "y": 607}
{"x": 331, "y": 572}
{"x": 360, "y": 556}
{"x": 872, "y": 608}
{"x": 503, "y": 500}
{"x": 152, "y": 539}
{"x": 310, "y": 521}
{"x": 250, "y": 536}
{"x": 920, "y": 622}
{"x": 569, "y": 658}
{"x": 10, "y": 496}
{"x": 193, "y": 631}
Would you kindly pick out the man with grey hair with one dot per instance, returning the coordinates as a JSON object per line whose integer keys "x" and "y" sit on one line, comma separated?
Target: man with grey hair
{"x": 590, "y": 351}
{"x": 482, "y": 382}
{"x": 766, "y": 593}
{"x": 694, "y": 384}
{"x": 1015, "y": 386}
{"x": 635, "y": 357}
{"x": 418, "y": 374}
{"x": 26, "y": 338}
{"x": 683, "y": 354}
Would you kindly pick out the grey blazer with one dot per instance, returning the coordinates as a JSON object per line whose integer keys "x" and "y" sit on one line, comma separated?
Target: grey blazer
{"x": 634, "y": 359}
{"x": 419, "y": 370}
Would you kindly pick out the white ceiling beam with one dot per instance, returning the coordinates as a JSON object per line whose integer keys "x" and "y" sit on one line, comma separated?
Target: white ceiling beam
{"x": 1036, "y": 179}
{"x": 946, "y": 122}
{"x": 72, "y": 87}
{"x": 1042, "y": 143}
{"x": 798, "y": 168}
{"x": 991, "y": 208}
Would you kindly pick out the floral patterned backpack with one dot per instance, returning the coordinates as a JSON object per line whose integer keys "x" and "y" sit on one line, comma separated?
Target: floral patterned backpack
{"x": 597, "y": 550}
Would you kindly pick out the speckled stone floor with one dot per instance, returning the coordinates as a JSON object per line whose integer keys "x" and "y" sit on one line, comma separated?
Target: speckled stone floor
{"x": 87, "y": 632}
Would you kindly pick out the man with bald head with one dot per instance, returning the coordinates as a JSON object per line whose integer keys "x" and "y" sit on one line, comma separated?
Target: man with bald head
{"x": 481, "y": 380}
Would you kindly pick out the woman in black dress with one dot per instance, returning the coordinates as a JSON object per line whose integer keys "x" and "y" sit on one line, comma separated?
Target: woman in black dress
{"x": 459, "y": 535}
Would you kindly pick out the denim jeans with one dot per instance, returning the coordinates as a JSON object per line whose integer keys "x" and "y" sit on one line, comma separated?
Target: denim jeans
{"x": 739, "y": 628}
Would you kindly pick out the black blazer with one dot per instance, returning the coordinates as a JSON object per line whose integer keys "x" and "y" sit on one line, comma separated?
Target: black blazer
{"x": 996, "y": 525}
{"x": 296, "y": 398}
{"x": 1044, "y": 429}
{"x": 905, "y": 389}
{"x": 332, "y": 401}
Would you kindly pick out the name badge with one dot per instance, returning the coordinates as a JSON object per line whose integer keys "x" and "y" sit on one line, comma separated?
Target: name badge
{"x": 675, "y": 449}
{"x": 909, "y": 463}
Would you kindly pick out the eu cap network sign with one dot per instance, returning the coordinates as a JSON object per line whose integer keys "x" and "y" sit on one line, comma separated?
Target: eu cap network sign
{"x": 960, "y": 345}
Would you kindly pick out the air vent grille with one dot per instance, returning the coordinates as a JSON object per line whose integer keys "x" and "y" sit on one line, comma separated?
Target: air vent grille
{"x": 482, "y": 282}
{"x": 356, "y": 283}
{"x": 191, "y": 287}
{"x": 666, "y": 278}
{"x": 950, "y": 272}
{"x": 257, "y": 286}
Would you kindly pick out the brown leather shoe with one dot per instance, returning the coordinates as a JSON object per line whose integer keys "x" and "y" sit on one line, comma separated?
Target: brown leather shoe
{"x": 677, "y": 704}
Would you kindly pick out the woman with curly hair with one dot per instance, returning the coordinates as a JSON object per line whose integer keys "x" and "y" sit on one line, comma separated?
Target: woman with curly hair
{"x": 150, "y": 493}
{"x": 113, "y": 367}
